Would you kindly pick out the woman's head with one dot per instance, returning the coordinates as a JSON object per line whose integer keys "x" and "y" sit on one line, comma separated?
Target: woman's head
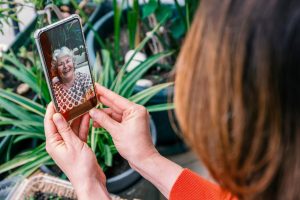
{"x": 237, "y": 95}
{"x": 64, "y": 64}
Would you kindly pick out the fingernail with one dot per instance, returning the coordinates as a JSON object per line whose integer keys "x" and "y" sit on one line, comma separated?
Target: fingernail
{"x": 57, "y": 117}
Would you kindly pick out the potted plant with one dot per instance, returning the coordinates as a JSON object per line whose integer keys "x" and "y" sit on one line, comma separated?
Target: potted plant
{"x": 40, "y": 186}
{"x": 123, "y": 27}
{"x": 23, "y": 49}
{"x": 24, "y": 45}
{"x": 26, "y": 115}
{"x": 44, "y": 187}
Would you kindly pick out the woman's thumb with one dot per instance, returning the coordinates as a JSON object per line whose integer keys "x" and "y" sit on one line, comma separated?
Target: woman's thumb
{"x": 64, "y": 128}
{"x": 104, "y": 120}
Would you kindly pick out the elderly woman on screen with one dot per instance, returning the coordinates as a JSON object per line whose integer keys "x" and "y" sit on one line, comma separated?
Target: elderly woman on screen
{"x": 70, "y": 88}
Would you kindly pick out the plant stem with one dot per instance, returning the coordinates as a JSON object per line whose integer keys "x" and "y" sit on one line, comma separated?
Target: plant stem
{"x": 93, "y": 144}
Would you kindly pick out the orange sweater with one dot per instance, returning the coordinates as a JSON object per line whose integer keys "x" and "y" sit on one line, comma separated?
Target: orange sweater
{"x": 190, "y": 186}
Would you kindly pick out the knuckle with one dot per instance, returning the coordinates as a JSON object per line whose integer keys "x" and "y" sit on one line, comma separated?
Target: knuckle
{"x": 65, "y": 129}
{"x": 139, "y": 107}
{"x": 142, "y": 110}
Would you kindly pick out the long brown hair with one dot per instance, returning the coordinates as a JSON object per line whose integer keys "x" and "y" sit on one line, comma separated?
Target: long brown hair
{"x": 237, "y": 95}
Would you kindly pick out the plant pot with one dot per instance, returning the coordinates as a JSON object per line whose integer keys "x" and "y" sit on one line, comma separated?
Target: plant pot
{"x": 41, "y": 186}
{"x": 9, "y": 186}
{"x": 120, "y": 182}
{"x": 100, "y": 10}
{"x": 44, "y": 187}
{"x": 168, "y": 141}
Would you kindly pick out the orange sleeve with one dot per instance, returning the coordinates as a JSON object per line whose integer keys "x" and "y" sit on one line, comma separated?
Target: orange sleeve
{"x": 190, "y": 186}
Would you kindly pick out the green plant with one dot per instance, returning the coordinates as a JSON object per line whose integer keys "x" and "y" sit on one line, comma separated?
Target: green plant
{"x": 136, "y": 21}
{"x": 26, "y": 116}
{"x": 7, "y": 14}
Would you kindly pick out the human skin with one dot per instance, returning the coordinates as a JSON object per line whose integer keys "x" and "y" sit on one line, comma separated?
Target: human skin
{"x": 66, "y": 71}
{"x": 66, "y": 144}
{"x": 128, "y": 124}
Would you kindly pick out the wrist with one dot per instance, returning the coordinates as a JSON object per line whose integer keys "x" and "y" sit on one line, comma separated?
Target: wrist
{"x": 91, "y": 189}
{"x": 160, "y": 171}
{"x": 139, "y": 163}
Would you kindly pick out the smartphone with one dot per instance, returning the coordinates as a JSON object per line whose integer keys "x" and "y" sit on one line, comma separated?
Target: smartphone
{"x": 66, "y": 65}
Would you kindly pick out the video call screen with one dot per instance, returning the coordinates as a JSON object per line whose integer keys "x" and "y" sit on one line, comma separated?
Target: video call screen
{"x": 67, "y": 65}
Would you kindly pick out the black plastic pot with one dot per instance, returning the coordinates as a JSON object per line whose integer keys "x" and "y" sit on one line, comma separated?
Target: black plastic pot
{"x": 100, "y": 11}
{"x": 168, "y": 141}
{"x": 129, "y": 177}
{"x": 104, "y": 28}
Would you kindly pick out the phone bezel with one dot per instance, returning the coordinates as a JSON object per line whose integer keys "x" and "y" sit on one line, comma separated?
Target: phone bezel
{"x": 93, "y": 101}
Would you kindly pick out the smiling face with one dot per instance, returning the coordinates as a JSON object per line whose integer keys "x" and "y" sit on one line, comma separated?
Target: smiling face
{"x": 65, "y": 69}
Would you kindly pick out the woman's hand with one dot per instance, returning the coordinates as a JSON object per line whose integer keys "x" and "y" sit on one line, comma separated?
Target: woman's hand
{"x": 66, "y": 144}
{"x": 128, "y": 124}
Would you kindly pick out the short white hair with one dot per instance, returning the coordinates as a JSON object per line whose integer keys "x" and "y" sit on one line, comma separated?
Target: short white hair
{"x": 63, "y": 51}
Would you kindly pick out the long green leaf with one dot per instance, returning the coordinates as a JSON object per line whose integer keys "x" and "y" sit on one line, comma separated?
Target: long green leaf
{"x": 116, "y": 86}
{"x": 97, "y": 70}
{"x": 16, "y": 62}
{"x": 133, "y": 23}
{"x": 21, "y": 138}
{"x": 18, "y": 111}
{"x": 28, "y": 168}
{"x": 20, "y": 123}
{"x": 30, "y": 171}
{"x": 8, "y": 151}
{"x": 130, "y": 80}
{"x": 24, "y": 102}
{"x": 16, "y": 162}
{"x": 44, "y": 89}
{"x": 107, "y": 155}
{"x": 108, "y": 69}
{"x": 145, "y": 95}
{"x": 8, "y": 121}
{"x": 93, "y": 139}
{"x": 24, "y": 77}
{"x": 22, "y": 132}
{"x": 4, "y": 143}
{"x": 161, "y": 107}
{"x": 149, "y": 8}
{"x": 180, "y": 12}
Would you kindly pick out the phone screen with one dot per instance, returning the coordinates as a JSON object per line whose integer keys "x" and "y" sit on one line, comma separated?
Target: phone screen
{"x": 68, "y": 69}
